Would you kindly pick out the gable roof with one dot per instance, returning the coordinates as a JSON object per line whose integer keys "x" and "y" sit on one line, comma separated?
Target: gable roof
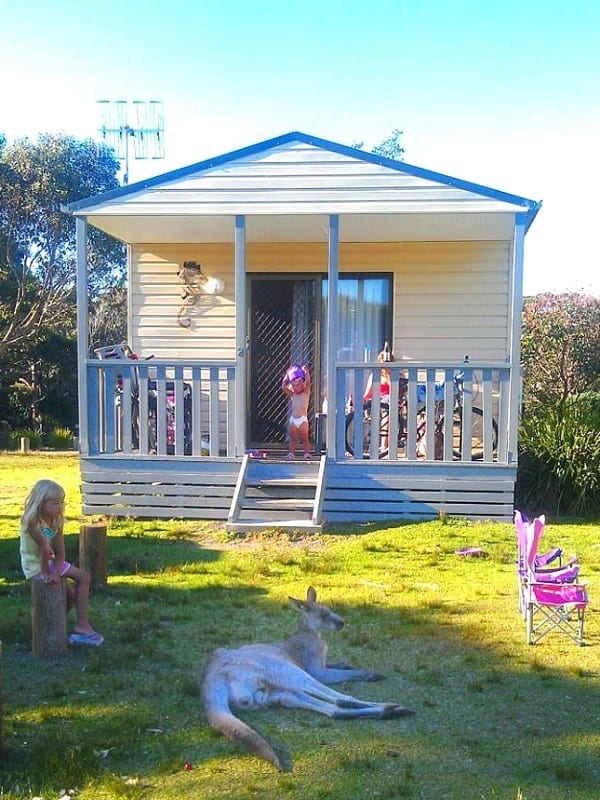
{"x": 293, "y": 175}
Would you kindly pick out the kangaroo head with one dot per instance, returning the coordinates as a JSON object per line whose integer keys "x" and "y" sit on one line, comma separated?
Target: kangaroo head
{"x": 316, "y": 617}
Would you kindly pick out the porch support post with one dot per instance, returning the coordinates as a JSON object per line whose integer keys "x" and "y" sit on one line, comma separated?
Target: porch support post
{"x": 82, "y": 332}
{"x": 514, "y": 344}
{"x": 332, "y": 345}
{"x": 241, "y": 339}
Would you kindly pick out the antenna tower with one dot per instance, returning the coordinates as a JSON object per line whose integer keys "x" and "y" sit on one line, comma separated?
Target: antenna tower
{"x": 139, "y": 121}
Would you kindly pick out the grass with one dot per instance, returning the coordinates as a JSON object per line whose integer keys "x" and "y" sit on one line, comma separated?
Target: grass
{"x": 496, "y": 719}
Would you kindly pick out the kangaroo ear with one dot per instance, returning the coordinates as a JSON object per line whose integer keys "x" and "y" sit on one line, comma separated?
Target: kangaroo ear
{"x": 311, "y": 595}
{"x": 299, "y": 605}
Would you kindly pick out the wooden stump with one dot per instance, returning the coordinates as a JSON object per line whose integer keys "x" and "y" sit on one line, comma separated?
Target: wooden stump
{"x": 48, "y": 618}
{"x": 92, "y": 553}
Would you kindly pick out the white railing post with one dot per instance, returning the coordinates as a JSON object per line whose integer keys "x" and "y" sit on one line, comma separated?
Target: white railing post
{"x": 514, "y": 344}
{"x": 82, "y": 332}
{"x": 241, "y": 335}
{"x": 335, "y": 415}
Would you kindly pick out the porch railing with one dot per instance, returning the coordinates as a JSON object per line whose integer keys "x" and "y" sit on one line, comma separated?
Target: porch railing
{"x": 433, "y": 412}
{"x": 156, "y": 406}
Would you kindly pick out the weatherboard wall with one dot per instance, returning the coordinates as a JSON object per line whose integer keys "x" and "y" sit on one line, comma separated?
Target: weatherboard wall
{"x": 450, "y": 298}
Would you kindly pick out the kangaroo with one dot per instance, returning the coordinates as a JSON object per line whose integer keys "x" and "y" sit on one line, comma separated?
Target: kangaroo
{"x": 292, "y": 673}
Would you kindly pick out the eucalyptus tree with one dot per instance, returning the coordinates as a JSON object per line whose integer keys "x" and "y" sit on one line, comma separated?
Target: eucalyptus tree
{"x": 37, "y": 239}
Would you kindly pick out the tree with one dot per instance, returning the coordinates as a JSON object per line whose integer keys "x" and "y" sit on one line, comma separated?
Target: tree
{"x": 389, "y": 148}
{"x": 559, "y": 443}
{"x": 560, "y": 347}
{"x": 38, "y": 257}
{"x": 108, "y": 317}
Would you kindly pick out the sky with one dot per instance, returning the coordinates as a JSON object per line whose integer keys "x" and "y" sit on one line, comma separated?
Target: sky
{"x": 502, "y": 93}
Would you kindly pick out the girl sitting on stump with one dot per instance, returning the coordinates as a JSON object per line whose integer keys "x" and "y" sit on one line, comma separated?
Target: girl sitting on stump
{"x": 43, "y": 554}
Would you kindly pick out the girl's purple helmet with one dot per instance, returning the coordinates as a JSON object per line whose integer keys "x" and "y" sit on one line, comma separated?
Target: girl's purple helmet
{"x": 296, "y": 374}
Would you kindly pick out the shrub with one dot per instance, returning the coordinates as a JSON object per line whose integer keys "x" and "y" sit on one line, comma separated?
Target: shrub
{"x": 559, "y": 460}
{"x": 60, "y": 439}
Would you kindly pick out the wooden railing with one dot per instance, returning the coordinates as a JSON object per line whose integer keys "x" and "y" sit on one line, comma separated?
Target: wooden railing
{"x": 166, "y": 408}
{"x": 421, "y": 429}
{"x": 156, "y": 406}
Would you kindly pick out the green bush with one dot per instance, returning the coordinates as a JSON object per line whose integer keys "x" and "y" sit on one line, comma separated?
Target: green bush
{"x": 35, "y": 438}
{"x": 60, "y": 439}
{"x": 559, "y": 459}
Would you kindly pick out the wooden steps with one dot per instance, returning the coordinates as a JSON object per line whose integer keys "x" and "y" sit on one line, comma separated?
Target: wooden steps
{"x": 275, "y": 493}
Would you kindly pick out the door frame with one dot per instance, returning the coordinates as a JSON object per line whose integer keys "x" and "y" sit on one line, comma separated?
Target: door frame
{"x": 316, "y": 372}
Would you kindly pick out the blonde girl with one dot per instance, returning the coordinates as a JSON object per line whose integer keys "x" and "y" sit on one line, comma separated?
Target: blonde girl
{"x": 43, "y": 554}
{"x": 385, "y": 380}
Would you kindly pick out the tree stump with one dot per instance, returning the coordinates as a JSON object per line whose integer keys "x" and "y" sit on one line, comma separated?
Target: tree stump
{"x": 92, "y": 553}
{"x": 48, "y": 618}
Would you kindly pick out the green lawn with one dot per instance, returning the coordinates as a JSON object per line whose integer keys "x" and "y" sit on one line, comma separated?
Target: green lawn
{"x": 496, "y": 719}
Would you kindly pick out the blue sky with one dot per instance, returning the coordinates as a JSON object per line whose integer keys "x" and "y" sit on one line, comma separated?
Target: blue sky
{"x": 505, "y": 94}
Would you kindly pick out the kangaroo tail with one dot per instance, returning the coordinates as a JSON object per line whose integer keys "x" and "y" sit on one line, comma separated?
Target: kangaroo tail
{"x": 215, "y": 697}
{"x": 234, "y": 728}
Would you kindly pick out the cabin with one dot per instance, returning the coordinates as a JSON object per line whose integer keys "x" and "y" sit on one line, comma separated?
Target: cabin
{"x": 302, "y": 251}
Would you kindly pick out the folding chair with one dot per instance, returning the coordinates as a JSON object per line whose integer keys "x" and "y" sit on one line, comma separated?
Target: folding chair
{"x": 543, "y": 572}
{"x": 552, "y": 600}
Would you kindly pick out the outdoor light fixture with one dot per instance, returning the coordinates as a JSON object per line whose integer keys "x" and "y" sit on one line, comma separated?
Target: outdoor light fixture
{"x": 195, "y": 285}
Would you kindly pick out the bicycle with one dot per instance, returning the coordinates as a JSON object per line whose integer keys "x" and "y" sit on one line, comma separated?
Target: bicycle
{"x": 123, "y": 351}
{"x": 477, "y": 424}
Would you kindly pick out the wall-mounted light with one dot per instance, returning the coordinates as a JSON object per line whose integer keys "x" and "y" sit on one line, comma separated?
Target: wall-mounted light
{"x": 195, "y": 285}
{"x": 214, "y": 286}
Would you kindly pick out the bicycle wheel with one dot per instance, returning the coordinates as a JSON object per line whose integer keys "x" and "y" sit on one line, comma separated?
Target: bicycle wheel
{"x": 438, "y": 432}
{"x": 477, "y": 437}
{"x": 384, "y": 419}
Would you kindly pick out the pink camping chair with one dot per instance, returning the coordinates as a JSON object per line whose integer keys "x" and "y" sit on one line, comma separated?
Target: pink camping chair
{"x": 558, "y": 573}
{"x": 552, "y": 600}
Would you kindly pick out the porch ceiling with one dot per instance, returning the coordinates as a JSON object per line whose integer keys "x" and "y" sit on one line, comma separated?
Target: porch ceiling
{"x": 367, "y": 227}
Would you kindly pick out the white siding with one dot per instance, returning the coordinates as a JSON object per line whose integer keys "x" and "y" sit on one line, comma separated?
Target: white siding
{"x": 450, "y": 298}
{"x": 452, "y": 301}
{"x": 156, "y": 299}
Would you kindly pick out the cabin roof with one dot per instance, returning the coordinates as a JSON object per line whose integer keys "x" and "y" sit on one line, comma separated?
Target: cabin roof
{"x": 289, "y": 185}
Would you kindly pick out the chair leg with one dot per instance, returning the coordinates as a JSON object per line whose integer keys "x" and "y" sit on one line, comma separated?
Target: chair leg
{"x": 580, "y": 613}
{"x": 529, "y": 622}
{"x": 542, "y": 619}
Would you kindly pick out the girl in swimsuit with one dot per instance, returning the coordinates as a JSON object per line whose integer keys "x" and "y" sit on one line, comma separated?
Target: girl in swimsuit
{"x": 384, "y": 385}
{"x": 42, "y": 548}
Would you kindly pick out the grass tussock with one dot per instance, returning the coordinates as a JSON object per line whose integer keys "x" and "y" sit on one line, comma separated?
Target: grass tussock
{"x": 496, "y": 719}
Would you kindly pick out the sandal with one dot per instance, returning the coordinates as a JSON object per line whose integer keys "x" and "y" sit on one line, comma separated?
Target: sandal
{"x": 93, "y": 639}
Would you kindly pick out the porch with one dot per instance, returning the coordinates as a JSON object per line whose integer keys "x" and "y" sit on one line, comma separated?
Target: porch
{"x": 163, "y": 440}
{"x": 321, "y": 253}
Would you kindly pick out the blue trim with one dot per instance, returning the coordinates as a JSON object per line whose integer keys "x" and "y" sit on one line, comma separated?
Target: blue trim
{"x": 530, "y": 207}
